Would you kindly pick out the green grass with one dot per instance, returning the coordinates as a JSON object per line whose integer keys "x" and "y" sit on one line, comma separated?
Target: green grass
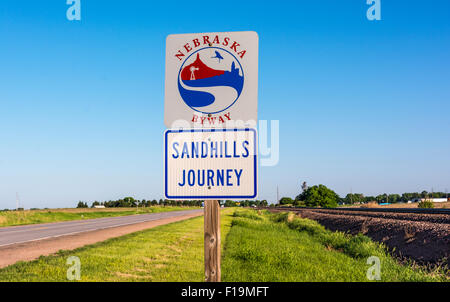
{"x": 281, "y": 247}
{"x": 172, "y": 252}
{"x": 257, "y": 247}
{"x": 10, "y": 218}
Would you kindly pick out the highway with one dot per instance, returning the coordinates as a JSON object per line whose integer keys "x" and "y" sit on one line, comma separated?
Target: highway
{"x": 32, "y": 232}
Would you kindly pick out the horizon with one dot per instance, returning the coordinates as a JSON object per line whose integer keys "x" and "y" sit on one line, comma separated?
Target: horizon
{"x": 268, "y": 201}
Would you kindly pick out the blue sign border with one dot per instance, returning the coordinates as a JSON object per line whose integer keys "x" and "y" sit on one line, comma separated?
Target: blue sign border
{"x": 255, "y": 163}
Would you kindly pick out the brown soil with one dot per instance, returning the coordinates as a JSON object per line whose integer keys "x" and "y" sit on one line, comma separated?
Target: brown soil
{"x": 424, "y": 238}
{"x": 32, "y": 250}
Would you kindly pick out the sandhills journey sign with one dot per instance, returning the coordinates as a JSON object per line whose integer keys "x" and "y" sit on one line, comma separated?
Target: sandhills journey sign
{"x": 211, "y": 79}
{"x": 211, "y": 92}
{"x": 210, "y": 163}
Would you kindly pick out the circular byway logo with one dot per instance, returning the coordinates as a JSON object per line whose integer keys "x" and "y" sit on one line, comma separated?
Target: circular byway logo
{"x": 210, "y": 80}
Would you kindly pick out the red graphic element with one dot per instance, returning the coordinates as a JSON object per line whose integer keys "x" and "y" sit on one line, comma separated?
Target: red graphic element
{"x": 199, "y": 70}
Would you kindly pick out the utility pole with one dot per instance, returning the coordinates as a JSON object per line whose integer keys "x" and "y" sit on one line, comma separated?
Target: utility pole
{"x": 278, "y": 196}
{"x": 17, "y": 201}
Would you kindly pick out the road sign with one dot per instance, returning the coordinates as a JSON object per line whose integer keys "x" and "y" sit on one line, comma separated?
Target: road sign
{"x": 211, "y": 80}
{"x": 210, "y": 163}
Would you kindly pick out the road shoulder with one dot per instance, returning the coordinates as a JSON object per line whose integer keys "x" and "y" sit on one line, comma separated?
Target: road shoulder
{"x": 34, "y": 249}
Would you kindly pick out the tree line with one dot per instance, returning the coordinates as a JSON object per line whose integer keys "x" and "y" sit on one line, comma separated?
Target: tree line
{"x": 321, "y": 196}
{"x": 129, "y": 202}
{"x": 314, "y": 196}
{"x": 390, "y": 198}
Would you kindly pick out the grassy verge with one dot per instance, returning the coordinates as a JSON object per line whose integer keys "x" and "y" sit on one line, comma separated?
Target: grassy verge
{"x": 258, "y": 247}
{"x": 281, "y": 247}
{"x": 172, "y": 252}
{"x": 10, "y": 218}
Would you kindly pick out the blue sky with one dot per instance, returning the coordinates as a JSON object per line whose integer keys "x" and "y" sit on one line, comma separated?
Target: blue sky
{"x": 363, "y": 105}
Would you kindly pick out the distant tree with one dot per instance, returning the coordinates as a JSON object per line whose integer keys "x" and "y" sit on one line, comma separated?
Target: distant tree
{"x": 286, "y": 200}
{"x": 301, "y": 196}
{"x": 426, "y": 204}
{"x": 82, "y": 205}
{"x": 349, "y": 199}
{"x": 405, "y": 197}
{"x": 381, "y": 198}
{"x": 245, "y": 203}
{"x": 299, "y": 203}
{"x": 352, "y": 198}
{"x": 319, "y": 196}
{"x": 130, "y": 201}
{"x": 368, "y": 199}
{"x": 394, "y": 198}
{"x": 230, "y": 203}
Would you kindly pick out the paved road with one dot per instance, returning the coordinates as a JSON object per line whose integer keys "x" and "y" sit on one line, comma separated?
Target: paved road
{"x": 25, "y": 233}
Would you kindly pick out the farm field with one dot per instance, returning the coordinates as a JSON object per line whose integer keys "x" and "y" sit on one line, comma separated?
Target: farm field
{"x": 255, "y": 247}
{"x": 282, "y": 247}
{"x": 423, "y": 237}
{"x": 11, "y": 218}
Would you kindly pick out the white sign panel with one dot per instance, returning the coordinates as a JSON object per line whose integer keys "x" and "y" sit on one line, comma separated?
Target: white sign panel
{"x": 210, "y": 164}
{"x": 211, "y": 80}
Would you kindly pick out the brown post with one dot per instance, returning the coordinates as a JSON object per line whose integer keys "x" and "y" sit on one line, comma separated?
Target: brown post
{"x": 212, "y": 241}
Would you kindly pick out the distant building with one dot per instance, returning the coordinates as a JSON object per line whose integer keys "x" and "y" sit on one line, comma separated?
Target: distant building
{"x": 99, "y": 207}
{"x": 430, "y": 199}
